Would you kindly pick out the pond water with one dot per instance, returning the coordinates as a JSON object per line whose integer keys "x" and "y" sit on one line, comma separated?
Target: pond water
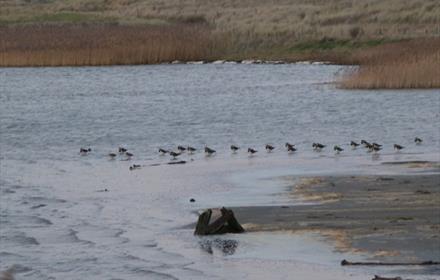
{"x": 57, "y": 222}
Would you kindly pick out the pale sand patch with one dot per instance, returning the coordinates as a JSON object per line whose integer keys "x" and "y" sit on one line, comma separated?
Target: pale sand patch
{"x": 304, "y": 191}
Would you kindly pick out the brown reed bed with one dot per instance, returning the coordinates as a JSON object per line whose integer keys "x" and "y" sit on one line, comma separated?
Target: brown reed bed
{"x": 102, "y": 44}
{"x": 407, "y": 64}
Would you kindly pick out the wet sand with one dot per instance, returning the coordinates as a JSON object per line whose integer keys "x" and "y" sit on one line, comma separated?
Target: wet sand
{"x": 388, "y": 218}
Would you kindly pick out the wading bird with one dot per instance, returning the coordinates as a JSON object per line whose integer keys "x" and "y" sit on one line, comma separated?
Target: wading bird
{"x": 354, "y": 145}
{"x": 234, "y": 148}
{"x": 269, "y": 148}
{"x": 365, "y": 143}
{"x": 369, "y": 146}
{"x": 318, "y": 146}
{"x": 376, "y": 145}
{"x": 174, "y": 154}
{"x": 290, "y": 147}
{"x": 398, "y": 147}
{"x": 209, "y": 151}
{"x": 375, "y": 148}
{"x": 191, "y": 149}
{"x": 135, "y": 166}
{"x": 252, "y": 151}
{"x": 83, "y": 151}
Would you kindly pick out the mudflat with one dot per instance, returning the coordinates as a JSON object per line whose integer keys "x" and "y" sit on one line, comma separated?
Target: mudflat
{"x": 389, "y": 218}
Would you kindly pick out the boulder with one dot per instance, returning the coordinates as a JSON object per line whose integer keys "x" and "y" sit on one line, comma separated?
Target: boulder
{"x": 217, "y": 221}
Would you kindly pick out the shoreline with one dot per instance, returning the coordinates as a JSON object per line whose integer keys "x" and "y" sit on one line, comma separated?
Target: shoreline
{"x": 372, "y": 214}
{"x": 199, "y": 62}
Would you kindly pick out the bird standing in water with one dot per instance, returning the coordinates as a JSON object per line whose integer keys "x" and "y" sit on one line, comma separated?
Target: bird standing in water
{"x": 375, "y": 148}
{"x": 209, "y": 151}
{"x": 398, "y": 147}
{"x": 377, "y": 145}
{"x": 290, "y": 147}
{"x": 318, "y": 146}
{"x": 418, "y": 140}
{"x": 354, "y": 145}
{"x": 252, "y": 151}
{"x": 174, "y": 154}
{"x": 84, "y": 152}
{"x": 269, "y": 148}
{"x": 234, "y": 148}
{"x": 365, "y": 143}
{"x": 134, "y": 166}
{"x": 337, "y": 149}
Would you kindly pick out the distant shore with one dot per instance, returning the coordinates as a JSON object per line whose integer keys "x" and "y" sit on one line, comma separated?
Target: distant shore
{"x": 371, "y": 34}
{"x": 375, "y": 215}
{"x": 383, "y": 64}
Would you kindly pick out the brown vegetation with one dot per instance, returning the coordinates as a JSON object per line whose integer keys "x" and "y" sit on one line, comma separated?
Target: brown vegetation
{"x": 408, "y": 64}
{"x": 248, "y": 28}
{"x": 102, "y": 44}
{"x": 108, "y": 32}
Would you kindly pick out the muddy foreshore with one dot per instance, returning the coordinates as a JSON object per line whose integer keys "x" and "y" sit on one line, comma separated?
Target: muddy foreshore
{"x": 390, "y": 218}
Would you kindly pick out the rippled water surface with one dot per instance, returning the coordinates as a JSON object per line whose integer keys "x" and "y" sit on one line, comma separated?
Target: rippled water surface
{"x": 57, "y": 222}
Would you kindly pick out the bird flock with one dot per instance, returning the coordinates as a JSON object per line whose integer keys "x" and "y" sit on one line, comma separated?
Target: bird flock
{"x": 290, "y": 148}
{"x": 371, "y": 147}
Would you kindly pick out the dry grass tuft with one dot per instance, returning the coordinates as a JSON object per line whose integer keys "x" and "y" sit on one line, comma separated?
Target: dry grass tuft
{"x": 408, "y": 64}
{"x": 103, "y": 44}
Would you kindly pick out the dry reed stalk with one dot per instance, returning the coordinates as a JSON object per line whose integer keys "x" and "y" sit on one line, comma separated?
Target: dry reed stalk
{"x": 74, "y": 45}
{"x": 410, "y": 64}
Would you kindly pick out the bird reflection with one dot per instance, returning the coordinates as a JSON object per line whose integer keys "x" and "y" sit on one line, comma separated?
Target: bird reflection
{"x": 226, "y": 246}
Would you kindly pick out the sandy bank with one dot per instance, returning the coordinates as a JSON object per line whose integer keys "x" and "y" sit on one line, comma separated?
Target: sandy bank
{"x": 391, "y": 218}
